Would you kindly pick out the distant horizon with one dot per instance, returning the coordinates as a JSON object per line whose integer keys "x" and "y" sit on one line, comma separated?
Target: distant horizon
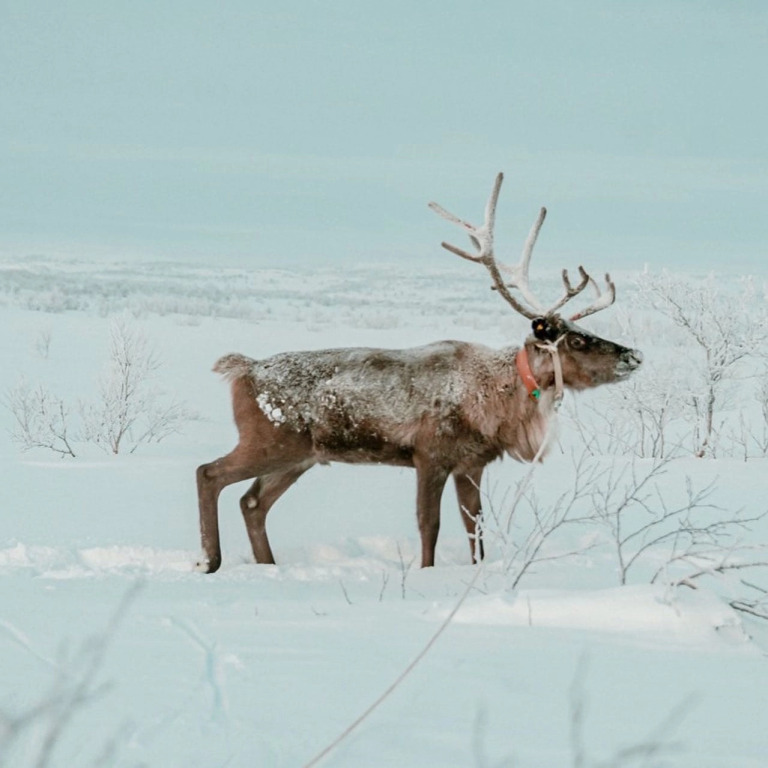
{"x": 545, "y": 268}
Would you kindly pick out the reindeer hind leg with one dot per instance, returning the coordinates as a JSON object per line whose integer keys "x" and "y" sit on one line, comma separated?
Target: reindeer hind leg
{"x": 256, "y": 503}
{"x": 212, "y": 478}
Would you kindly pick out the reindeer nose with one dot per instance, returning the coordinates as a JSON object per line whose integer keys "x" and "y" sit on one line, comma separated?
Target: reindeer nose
{"x": 634, "y": 357}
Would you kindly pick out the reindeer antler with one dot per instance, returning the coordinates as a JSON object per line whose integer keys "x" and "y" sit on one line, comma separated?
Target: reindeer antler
{"x": 602, "y": 301}
{"x": 482, "y": 239}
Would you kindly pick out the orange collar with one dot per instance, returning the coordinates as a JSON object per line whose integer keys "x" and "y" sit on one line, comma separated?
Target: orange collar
{"x": 526, "y": 374}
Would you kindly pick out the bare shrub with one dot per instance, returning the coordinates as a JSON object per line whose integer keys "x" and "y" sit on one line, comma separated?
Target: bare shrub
{"x": 655, "y": 531}
{"x": 630, "y": 506}
{"x": 43, "y": 343}
{"x": 656, "y": 410}
{"x": 679, "y": 543}
{"x": 725, "y": 328}
{"x": 646, "y": 417}
{"x": 36, "y": 735}
{"x": 130, "y": 410}
{"x": 754, "y": 601}
{"x": 657, "y": 745}
{"x": 525, "y": 528}
{"x": 41, "y": 419}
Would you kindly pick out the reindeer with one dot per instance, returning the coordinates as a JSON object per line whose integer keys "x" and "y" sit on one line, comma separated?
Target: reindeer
{"x": 446, "y": 409}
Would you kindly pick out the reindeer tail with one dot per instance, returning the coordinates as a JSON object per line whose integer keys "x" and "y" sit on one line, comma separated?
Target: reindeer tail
{"x": 234, "y": 366}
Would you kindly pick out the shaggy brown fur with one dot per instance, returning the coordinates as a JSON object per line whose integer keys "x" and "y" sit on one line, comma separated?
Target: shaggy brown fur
{"x": 446, "y": 409}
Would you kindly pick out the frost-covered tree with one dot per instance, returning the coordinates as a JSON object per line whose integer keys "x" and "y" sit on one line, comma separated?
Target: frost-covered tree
{"x": 648, "y": 416}
{"x": 726, "y": 328}
{"x": 130, "y": 410}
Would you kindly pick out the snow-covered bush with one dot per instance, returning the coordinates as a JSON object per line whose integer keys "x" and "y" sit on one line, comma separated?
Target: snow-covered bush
{"x": 697, "y": 392}
{"x": 723, "y": 328}
{"x": 644, "y": 517}
{"x": 129, "y": 411}
{"x": 41, "y": 419}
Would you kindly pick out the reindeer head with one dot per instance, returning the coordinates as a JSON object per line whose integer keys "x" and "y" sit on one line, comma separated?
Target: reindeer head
{"x": 577, "y": 358}
{"x": 586, "y": 360}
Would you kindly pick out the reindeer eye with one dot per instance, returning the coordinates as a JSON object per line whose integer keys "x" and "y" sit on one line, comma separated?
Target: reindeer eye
{"x": 577, "y": 342}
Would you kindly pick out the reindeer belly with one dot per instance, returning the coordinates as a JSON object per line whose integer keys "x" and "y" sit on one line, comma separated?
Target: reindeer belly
{"x": 359, "y": 443}
{"x": 382, "y": 453}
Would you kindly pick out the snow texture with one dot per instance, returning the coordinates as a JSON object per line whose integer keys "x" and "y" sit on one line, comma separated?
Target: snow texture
{"x": 266, "y": 665}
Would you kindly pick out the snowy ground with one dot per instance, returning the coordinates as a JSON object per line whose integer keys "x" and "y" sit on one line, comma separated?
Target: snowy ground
{"x": 154, "y": 664}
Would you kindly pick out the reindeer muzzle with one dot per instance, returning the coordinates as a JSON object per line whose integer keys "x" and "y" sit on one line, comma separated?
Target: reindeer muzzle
{"x": 630, "y": 360}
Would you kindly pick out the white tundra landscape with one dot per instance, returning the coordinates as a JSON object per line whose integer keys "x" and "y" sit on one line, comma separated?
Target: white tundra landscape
{"x": 619, "y": 619}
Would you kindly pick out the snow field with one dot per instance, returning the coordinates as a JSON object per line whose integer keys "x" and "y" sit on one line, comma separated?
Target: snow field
{"x": 265, "y": 665}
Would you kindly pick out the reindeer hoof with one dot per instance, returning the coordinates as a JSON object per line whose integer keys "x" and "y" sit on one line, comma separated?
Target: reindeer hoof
{"x": 207, "y": 565}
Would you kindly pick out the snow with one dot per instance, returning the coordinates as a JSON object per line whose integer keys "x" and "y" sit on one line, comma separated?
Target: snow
{"x": 313, "y": 385}
{"x": 267, "y": 665}
{"x": 273, "y": 412}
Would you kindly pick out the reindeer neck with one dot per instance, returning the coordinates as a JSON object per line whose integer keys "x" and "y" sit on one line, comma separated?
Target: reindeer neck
{"x": 538, "y": 366}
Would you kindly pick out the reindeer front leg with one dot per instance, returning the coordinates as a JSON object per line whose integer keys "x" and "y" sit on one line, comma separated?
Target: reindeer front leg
{"x": 430, "y": 482}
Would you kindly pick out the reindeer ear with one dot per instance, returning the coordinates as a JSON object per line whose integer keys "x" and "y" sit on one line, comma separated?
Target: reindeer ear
{"x": 542, "y": 330}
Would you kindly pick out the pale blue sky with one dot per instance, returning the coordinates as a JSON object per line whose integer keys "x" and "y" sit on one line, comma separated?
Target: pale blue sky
{"x": 316, "y": 132}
